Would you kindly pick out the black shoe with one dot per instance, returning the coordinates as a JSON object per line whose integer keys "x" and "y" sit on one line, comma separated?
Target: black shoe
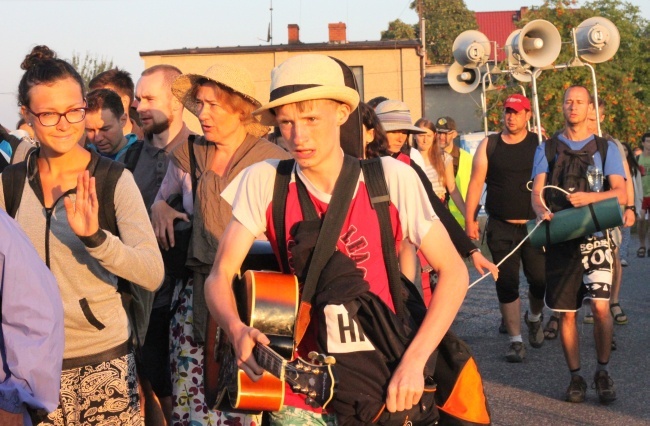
{"x": 502, "y": 327}
{"x": 604, "y": 387}
{"x": 577, "y": 389}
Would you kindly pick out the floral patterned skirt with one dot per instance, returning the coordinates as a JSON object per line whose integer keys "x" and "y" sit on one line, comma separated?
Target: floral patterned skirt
{"x": 188, "y": 398}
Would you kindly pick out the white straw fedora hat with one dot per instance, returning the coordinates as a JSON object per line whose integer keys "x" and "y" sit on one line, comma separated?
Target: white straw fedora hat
{"x": 306, "y": 77}
{"x": 229, "y": 76}
{"x": 395, "y": 115}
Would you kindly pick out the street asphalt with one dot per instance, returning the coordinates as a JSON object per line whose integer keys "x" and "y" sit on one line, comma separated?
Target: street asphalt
{"x": 532, "y": 392}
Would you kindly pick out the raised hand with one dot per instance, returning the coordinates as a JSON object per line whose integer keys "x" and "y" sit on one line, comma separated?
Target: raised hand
{"x": 83, "y": 213}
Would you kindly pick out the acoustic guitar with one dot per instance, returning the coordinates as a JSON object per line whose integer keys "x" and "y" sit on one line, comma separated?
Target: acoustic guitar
{"x": 269, "y": 302}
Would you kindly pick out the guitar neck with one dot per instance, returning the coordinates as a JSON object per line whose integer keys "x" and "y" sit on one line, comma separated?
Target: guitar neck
{"x": 269, "y": 360}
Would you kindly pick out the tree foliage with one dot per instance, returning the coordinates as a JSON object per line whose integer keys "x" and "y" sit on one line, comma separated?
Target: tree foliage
{"x": 398, "y": 30}
{"x": 90, "y": 65}
{"x": 623, "y": 82}
{"x": 444, "y": 20}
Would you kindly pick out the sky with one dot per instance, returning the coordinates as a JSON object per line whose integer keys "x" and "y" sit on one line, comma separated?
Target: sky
{"x": 118, "y": 30}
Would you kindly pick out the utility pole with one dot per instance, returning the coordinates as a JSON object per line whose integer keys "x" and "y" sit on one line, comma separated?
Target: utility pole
{"x": 422, "y": 36}
{"x": 423, "y": 54}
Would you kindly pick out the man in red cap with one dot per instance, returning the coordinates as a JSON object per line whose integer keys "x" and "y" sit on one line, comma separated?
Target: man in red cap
{"x": 504, "y": 161}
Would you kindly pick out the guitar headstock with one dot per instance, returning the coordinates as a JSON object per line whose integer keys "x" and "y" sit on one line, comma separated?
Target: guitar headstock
{"x": 316, "y": 379}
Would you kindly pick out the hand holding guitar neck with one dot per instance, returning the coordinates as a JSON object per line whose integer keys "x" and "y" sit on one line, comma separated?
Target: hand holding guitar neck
{"x": 244, "y": 345}
{"x": 262, "y": 348}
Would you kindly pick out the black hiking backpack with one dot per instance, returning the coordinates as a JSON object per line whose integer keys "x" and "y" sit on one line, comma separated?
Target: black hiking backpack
{"x": 567, "y": 169}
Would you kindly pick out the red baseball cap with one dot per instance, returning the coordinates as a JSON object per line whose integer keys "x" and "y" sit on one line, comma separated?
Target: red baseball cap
{"x": 517, "y": 102}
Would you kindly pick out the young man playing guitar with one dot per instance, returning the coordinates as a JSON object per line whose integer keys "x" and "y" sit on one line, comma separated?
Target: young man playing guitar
{"x": 309, "y": 103}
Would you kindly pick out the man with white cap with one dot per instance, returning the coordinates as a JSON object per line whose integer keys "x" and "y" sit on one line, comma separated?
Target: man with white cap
{"x": 504, "y": 162}
{"x": 310, "y": 102}
{"x": 395, "y": 118}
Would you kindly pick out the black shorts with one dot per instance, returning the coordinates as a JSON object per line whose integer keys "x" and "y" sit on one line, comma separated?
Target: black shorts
{"x": 155, "y": 364}
{"x": 578, "y": 269}
{"x": 502, "y": 238}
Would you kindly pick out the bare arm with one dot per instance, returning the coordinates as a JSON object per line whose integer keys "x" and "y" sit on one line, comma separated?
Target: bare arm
{"x": 453, "y": 189}
{"x": 233, "y": 248}
{"x": 407, "y": 384}
{"x": 538, "y": 207}
{"x": 477, "y": 179}
{"x": 408, "y": 260}
{"x": 628, "y": 215}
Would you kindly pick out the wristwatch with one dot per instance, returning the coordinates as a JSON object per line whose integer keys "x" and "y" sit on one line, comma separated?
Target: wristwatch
{"x": 475, "y": 250}
{"x": 631, "y": 208}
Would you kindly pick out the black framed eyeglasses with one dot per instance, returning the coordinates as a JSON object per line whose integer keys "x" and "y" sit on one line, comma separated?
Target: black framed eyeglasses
{"x": 50, "y": 118}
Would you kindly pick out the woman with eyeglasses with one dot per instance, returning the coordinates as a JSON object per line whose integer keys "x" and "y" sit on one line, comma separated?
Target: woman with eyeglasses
{"x": 59, "y": 210}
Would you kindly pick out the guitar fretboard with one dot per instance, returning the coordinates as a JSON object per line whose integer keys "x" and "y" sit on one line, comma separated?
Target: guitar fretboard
{"x": 269, "y": 360}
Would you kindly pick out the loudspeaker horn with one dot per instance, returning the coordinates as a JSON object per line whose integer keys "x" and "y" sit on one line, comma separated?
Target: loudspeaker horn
{"x": 538, "y": 44}
{"x": 516, "y": 67}
{"x": 471, "y": 48}
{"x": 597, "y": 39}
{"x": 462, "y": 79}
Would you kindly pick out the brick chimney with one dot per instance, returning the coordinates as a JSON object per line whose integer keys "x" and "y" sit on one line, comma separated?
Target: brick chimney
{"x": 294, "y": 34}
{"x": 338, "y": 33}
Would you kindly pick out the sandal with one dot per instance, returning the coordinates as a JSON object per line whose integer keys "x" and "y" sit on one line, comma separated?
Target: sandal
{"x": 619, "y": 318}
{"x": 551, "y": 329}
{"x": 640, "y": 252}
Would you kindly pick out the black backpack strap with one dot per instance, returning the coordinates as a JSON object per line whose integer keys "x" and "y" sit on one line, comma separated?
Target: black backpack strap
{"x": 132, "y": 155}
{"x": 551, "y": 152}
{"x": 280, "y": 191}
{"x": 492, "y": 144}
{"x": 106, "y": 173}
{"x": 375, "y": 180}
{"x": 602, "y": 145}
{"x": 306, "y": 206}
{"x": 3, "y": 163}
{"x": 13, "y": 183}
{"x": 332, "y": 224}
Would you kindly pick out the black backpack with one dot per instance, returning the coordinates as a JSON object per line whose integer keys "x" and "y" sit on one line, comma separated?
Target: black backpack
{"x": 13, "y": 141}
{"x": 363, "y": 375}
{"x": 568, "y": 169}
{"x": 132, "y": 155}
{"x": 136, "y": 300}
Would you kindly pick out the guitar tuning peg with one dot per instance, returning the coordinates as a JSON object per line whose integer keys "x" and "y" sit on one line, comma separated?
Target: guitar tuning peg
{"x": 311, "y": 394}
{"x": 320, "y": 358}
{"x": 330, "y": 360}
{"x": 311, "y": 402}
{"x": 312, "y": 355}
